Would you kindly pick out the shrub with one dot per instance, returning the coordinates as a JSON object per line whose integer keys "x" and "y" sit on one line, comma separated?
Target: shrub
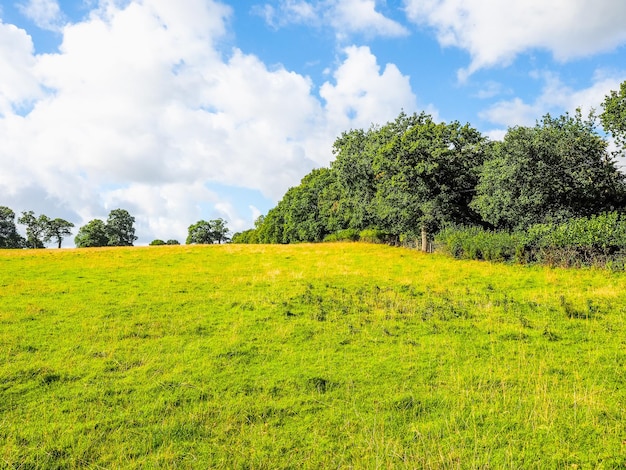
{"x": 348, "y": 234}
{"x": 157, "y": 242}
{"x": 599, "y": 240}
{"x": 374, "y": 235}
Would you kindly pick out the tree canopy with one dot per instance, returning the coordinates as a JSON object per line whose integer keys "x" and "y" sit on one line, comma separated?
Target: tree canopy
{"x": 413, "y": 176}
{"x": 614, "y": 115}
{"x": 556, "y": 170}
{"x": 9, "y": 237}
{"x": 120, "y": 228}
{"x": 92, "y": 234}
{"x": 207, "y": 232}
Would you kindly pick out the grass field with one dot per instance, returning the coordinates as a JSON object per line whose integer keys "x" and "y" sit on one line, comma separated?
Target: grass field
{"x": 307, "y": 356}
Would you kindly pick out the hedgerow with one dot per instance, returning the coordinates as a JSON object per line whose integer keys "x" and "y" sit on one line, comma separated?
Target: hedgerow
{"x": 599, "y": 240}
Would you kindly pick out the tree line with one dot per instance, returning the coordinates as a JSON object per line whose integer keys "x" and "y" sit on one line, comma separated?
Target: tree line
{"x": 117, "y": 230}
{"x": 413, "y": 176}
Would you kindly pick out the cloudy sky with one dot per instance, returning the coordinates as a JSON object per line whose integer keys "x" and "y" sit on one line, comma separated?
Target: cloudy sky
{"x": 196, "y": 109}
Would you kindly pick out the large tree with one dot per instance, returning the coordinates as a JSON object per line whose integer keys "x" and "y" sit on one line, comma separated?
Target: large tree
{"x": 93, "y": 234}
{"x": 9, "y": 237}
{"x": 58, "y": 229}
{"x": 120, "y": 228}
{"x": 356, "y": 181}
{"x": 425, "y": 174}
{"x": 35, "y": 228}
{"x": 548, "y": 173}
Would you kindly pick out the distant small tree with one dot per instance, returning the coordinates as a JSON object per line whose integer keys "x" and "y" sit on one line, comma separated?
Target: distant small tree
{"x": 199, "y": 233}
{"x": 172, "y": 242}
{"x": 207, "y": 232}
{"x": 36, "y": 228}
{"x": 91, "y": 235}
{"x": 9, "y": 238}
{"x": 58, "y": 229}
{"x": 120, "y": 229}
{"x": 157, "y": 242}
{"x": 219, "y": 230}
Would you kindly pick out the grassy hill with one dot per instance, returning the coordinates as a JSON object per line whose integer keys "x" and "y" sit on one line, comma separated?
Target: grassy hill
{"x": 307, "y": 356}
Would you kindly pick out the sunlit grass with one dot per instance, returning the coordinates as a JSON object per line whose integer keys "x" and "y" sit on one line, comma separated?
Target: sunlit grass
{"x": 307, "y": 356}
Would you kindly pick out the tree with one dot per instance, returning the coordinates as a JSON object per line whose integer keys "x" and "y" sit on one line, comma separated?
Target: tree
{"x": 9, "y": 237}
{"x": 119, "y": 228}
{"x": 57, "y": 229}
{"x": 353, "y": 169}
{"x": 547, "y": 174}
{"x": 172, "y": 242}
{"x": 35, "y": 228}
{"x": 219, "y": 230}
{"x": 157, "y": 242}
{"x": 200, "y": 233}
{"x": 613, "y": 116}
{"x": 426, "y": 173}
{"x": 91, "y": 235}
{"x": 207, "y": 232}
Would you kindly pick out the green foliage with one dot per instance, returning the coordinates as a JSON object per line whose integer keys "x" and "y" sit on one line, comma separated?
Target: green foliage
{"x": 172, "y": 242}
{"x": 36, "y": 228}
{"x": 306, "y": 213}
{"x": 9, "y": 237}
{"x": 613, "y": 115}
{"x": 425, "y": 174}
{"x": 157, "y": 242}
{"x": 406, "y": 176}
{"x": 93, "y": 234}
{"x": 479, "y": 244}
{"x": 346, "y": 235}
{"x": 207, "y": 232}
{"x": 57, "y": 229}
{"x": 120, "y": 228}
{"x": 373, "y": 235}
{"x": 245, "y": 237}
{"x": 599, "y": 240}
{"x": 549, "y": 173}
{"x": 307, "y": 356}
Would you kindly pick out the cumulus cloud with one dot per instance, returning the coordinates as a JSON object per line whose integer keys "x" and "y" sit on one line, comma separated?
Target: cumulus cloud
{"x": 345, "y": 16}
{"x": 556, "y": 97}
{"x": 362, "y": 95}
{"x": 494, "y": 32}
{"x": 46, "y": 14}
{"x": 18, "y": 84}
{"x": 139, "y": 109}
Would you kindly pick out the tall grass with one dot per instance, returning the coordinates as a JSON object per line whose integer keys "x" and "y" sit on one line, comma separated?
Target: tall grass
{"x": 309, "y": 356}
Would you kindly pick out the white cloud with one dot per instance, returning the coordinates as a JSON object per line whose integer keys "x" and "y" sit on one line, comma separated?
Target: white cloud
{"x": 362, "y": 95}
{"x": 46, "y": 14}
{"x": 18, "y": 84}
{"x": 139, "y": 110}
{"x": 346, "y": 17}
{"x": 495, "y": 31}
{"x": 556, "y": 97}
{"x": 361, "y": 16}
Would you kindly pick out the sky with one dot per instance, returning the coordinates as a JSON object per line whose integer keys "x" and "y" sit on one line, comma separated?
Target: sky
{"x": 188, "y": 110}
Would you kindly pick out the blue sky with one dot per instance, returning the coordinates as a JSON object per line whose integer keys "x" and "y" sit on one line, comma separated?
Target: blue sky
{"x": 197, "y": 109}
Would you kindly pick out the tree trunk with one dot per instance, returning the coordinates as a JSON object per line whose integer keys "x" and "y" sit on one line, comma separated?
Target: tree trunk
{"x": 424, "y": 240}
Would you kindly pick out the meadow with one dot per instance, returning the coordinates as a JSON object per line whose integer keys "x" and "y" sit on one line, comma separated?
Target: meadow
{"x": 342, "y": 355}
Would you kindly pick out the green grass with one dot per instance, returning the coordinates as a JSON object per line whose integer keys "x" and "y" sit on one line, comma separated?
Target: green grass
{"x": 307, "y": 356}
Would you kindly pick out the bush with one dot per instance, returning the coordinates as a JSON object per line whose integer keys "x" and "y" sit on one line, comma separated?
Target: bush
{"x": 373, "y": 235}
{"x": 599, "y": 240}
{"x": 346, "y": 235}
{"x": 157, "y": 242}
